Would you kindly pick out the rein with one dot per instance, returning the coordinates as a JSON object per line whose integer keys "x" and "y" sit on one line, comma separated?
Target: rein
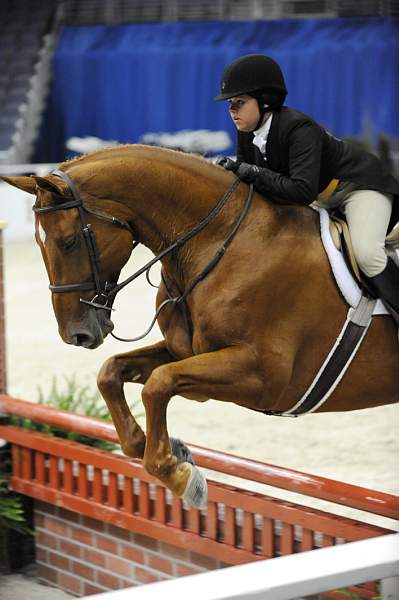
{"x": 105, "y": 295}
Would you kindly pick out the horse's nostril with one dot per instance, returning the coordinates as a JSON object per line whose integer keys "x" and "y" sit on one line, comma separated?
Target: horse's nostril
{"x": 81, "y": 339}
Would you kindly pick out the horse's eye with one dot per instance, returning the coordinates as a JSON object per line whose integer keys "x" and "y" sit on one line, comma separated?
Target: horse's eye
{"x": 69, "y": 243}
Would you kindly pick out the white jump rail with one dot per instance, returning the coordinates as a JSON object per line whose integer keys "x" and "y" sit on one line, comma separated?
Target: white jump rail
{"x": 284, "y": 578}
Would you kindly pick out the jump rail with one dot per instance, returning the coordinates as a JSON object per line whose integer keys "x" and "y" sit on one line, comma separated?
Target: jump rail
{"x": 238, "y": 526}
{"x": 352, "y": 496}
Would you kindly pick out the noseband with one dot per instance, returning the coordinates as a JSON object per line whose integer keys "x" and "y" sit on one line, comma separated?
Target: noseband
{"x": 105, "y": 295}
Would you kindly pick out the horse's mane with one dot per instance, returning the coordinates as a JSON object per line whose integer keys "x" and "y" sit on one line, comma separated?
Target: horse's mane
{"x": 300, "y": 216}
{"x": 155, "y": 152}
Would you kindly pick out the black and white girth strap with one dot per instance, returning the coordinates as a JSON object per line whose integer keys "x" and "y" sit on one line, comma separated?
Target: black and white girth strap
{"x": 337, "y": 362}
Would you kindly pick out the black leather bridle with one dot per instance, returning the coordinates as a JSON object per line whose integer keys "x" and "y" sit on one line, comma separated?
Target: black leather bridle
{"x": 102, "y": 292}
{"x": 105, "y": 294}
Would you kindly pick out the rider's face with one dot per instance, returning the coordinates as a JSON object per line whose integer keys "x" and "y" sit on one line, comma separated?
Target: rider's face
{"x": 244, "y": 111}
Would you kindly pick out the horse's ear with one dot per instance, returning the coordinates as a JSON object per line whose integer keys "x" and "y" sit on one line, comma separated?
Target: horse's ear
{"x": 51, "y": 183}
{"x": 27, "y": 184}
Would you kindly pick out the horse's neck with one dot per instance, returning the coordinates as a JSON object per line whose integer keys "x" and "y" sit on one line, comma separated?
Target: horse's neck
{"x": 169, "y": 196}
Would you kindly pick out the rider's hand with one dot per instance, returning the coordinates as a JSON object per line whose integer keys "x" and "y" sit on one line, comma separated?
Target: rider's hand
{"x": 227, "y": 163}
{"x": 247, "y": 172}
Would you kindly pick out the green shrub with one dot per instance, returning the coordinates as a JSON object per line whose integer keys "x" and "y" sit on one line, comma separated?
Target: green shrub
{"x": 13, "y": 525}
{"x": 76, "y": 398}
{"x": 11, "y": 508}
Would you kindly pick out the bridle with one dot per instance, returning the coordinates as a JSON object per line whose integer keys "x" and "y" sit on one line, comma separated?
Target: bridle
{"x": 105, "y": 294}
{"x": 89, "y": 237}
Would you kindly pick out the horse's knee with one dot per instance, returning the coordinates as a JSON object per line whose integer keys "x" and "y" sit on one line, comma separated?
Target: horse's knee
{"x": 159, "y": 386}
{"x": 108, "y": 376}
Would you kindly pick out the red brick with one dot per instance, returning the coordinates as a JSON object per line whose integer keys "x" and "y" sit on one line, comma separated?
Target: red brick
{"x": 45, "y": 508}
{"x": 146, "y": 542}
{"x": 160, "y": 564}
{"x": 133, "y": 554}
{"x": 71, "y": 549}
{"x": 83, "y": 570}
{"x": 82, "y": 536}
{"x": 46, "y": 573}
{"x": 144, "y": 576}
{"x": 106, "y": 544}
{"x": 91, "y": 556}
{"x": 121, "y": 567}
{"x": 40, "y": 520}
{"x": 57, "y": 560}
{"x": 204, "y": 561}
{"x": 70, "y": 583}
{"x": 111, "y": 582}
{"x": 68, "y": 515}
{"x": 121, "y": 534}
{"x": 89, "y": 588}
{"x": 93, "y": 524}
{"x": 183, "y": 570}
{"x": 173, "y": 551}
{"x": 125, "y": 583}
{"x": 41, "y": 555}
{"x": 44, "y": 539}
{"x": 57, "y": 527}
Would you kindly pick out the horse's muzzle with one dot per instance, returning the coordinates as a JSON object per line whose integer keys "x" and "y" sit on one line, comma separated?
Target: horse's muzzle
{"x": 91, "y": 332}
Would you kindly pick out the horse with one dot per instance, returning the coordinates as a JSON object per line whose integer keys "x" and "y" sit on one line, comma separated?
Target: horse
{"x": 247, "y": 306}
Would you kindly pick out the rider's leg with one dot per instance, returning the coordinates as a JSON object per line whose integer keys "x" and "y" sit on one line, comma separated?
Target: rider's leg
{"x": 368, "y": 213}
{"x": 386, "y": 285}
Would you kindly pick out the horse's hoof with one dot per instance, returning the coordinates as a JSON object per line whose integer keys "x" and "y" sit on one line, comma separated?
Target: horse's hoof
{"x": 180, "y": 450}
{"x": 196, "y": 492}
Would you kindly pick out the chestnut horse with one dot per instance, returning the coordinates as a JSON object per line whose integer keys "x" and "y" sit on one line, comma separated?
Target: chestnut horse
{"x": 254, "y": 330}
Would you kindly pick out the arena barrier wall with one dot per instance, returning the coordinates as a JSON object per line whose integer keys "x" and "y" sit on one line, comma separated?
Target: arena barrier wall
{"x": 3, "y": 367}
{"x": 103, "y": 523}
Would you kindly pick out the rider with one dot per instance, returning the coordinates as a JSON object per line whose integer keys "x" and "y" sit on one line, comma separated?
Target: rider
{"x": 291, "y": 159}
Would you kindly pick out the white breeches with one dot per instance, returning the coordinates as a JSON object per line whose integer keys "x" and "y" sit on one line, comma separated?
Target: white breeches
{"x": 368, "y": 213}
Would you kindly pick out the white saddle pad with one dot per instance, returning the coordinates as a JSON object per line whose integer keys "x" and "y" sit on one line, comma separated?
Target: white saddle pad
{"x": 345, "y": 281}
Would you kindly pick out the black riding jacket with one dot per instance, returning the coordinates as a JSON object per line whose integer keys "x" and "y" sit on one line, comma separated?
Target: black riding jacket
{"x": 302, "y": 158}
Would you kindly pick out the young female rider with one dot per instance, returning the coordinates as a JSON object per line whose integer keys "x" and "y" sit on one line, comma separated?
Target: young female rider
{"x": 291, "y": 159}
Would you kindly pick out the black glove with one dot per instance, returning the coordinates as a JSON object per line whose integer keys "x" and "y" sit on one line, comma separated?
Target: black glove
{"x": 247, "y": 172}
{"x": 227, "y": 163}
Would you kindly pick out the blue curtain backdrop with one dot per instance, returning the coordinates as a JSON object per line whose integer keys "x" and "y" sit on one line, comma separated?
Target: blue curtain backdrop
{"x": 119, "y": 82}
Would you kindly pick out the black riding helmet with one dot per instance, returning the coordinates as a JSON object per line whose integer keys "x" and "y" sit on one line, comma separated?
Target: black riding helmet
{"x": 258, "y": 76}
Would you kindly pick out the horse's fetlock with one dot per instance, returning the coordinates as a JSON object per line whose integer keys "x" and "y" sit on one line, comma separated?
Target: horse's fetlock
{"x": 152, "y": 468}
{"x": 161, "y": 467}
{"x": 134, "y": 448}
{"x": 133, "y": 451}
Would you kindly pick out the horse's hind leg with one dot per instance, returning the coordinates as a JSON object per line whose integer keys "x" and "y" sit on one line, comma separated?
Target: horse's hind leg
{"x": 135, "y": 366}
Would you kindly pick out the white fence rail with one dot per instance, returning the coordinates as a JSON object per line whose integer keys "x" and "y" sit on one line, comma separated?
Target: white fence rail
{"x": 285, "y": 578}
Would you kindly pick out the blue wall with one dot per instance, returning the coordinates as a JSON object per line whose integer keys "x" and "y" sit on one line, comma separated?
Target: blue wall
{"x": 118, "y": 82}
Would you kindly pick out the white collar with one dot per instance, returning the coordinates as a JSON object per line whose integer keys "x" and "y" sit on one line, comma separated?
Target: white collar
{"x": 260, "y": 135}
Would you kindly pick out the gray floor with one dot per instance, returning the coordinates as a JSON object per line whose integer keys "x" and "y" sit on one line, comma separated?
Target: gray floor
{"x": 26, "y": 587}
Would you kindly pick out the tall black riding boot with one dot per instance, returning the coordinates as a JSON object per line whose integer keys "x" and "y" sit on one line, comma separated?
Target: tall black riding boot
{"x": 386, "y": 286}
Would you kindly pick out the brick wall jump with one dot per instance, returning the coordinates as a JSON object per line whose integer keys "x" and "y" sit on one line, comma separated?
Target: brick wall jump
{"x": 83, "y": 556}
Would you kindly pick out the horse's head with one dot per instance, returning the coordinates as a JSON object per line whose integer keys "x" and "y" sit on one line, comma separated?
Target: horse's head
{"x": 67, "y": 249}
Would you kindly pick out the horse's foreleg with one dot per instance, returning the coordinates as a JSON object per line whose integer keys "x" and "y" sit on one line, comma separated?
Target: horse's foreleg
{"x": 228, "y": 375}
{"x": 135, "y": 366}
